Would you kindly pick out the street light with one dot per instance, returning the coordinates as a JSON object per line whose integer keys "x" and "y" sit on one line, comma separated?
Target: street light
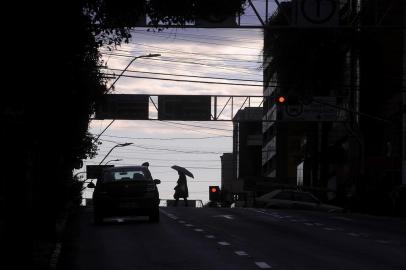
{"x": 118, "y": 77}
{"x": 117, "y": 145}
{"x": 119, "y": 159}
{"x": 129, "y": 64}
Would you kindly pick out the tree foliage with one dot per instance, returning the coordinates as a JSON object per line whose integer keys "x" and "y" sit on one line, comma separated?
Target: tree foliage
{"x": 46, "y": 113}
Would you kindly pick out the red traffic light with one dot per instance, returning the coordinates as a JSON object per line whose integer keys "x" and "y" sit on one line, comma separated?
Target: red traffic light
{"x": 214, "y": 193}
{"x": 281, "y": 99}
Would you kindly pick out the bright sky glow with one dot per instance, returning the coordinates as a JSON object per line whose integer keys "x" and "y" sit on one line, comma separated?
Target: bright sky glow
{"x": 208, "y": 53}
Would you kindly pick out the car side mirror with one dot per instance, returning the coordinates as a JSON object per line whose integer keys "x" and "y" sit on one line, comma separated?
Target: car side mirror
{"x": 91, "y": 185}
{"x": 157, "y": 181}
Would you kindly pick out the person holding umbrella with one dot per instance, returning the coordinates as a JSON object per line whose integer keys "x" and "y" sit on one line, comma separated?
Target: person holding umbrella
{"x": 181, "y": 189}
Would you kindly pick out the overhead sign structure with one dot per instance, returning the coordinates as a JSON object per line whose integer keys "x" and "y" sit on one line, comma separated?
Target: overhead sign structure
{"x": 225, "y": 21}
{"x": 317, "y": 13}
{"x": 321, "y": 109}
{"x": 123, "y": 107}
{"x": 184, "y": 108}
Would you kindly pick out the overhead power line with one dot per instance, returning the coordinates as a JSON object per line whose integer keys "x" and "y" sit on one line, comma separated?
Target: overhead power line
{"x": 185, "y": 75}
{"x": 205, "y": 127}
{"x": 207, "y": 42}
{"x": 165, "y": 166}
{"x": 223, "y": 67}
{"x": 166, "y": 139}
{"x": 190, "y": 81}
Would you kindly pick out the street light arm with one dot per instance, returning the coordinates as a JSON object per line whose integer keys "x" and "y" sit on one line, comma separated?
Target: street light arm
{"x": 112, "y": 160}
{"x": 117, "y": 145}
{"x": 108, "y": 153}
{"x": 129, "y": 64}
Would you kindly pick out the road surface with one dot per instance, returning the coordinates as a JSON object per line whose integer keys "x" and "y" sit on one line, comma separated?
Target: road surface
{"x": 238, "y": 239}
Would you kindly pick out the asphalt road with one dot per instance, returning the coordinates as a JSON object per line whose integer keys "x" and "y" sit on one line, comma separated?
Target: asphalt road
{"x": 237, "y": 238}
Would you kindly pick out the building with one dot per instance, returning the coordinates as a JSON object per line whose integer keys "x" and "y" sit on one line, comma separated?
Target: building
{"x": 355, "y": 158}
{"x": 242, "y": 168}
{"x": 313, "y": 68}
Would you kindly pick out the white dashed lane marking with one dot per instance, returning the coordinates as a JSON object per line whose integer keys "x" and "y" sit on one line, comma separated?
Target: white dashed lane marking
{"x": 263, "y": 265}
{"x": 188, "y": 225}
{"x": 198, "y": 230}
{"x": 223, "y": 243}
{"x": 385, "y": 242}
{"x": 353, "y": 234}
{"x": 210, "y": 236}
{"x": 329, "y": 229}
{"x": 308, "y": 224}
{"x": 241, "y": 253}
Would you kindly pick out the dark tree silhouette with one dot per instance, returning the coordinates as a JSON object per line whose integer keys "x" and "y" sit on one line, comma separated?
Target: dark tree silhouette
{"x": 55, "y": 83}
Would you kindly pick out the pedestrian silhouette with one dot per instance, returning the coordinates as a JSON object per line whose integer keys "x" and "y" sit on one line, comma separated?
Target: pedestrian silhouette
{"x": 181, "y": 190}
{"x": 146, "y": 164}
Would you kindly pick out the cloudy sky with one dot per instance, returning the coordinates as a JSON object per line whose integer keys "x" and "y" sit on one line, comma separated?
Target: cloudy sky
{"x": 192, "y": 55}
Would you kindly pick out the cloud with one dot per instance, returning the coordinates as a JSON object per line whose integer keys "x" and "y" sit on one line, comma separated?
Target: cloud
{"x": 231, "y": 54}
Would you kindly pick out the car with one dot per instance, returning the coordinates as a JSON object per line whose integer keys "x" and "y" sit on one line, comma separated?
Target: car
{"x": 294, "y": 199}
{"x": 125, "y": 191}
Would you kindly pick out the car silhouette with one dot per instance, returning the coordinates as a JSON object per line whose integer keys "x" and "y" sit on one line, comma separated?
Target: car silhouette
{"x": 126, "y": 191}
{"x": 294, "y": 199}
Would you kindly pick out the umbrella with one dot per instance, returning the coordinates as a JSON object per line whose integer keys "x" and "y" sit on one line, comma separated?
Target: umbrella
{"x": 183, "y": 170}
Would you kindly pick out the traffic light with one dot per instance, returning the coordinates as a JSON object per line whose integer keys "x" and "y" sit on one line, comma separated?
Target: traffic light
{"x": 214, "y": 193}
{"x": 281, "y": 100}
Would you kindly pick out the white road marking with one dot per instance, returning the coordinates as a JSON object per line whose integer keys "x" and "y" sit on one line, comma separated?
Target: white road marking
{"x": 263, "y": 265}
{"x": 383, "y": 242}
{"x": 198, "y": 230}
{"x": 172, "y": 216}
{"x": 318, "y": 224}
{"x": 188, "y": 225}
{"x": 120, "y": 220}
{"x": 268, "y": 214}
{"x": 241, "y": 253}
{"x": 224, "y": 243}
{"x": 210, "y": 236}
{"x": 329, "y": 229}
{"x": 308, "y": 224}
{"x": 353, "y": 234}
{"x": 225, "y": 216}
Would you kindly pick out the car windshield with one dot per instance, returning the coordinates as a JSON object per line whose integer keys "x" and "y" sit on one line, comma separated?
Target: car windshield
{"x": 126, "y": 175}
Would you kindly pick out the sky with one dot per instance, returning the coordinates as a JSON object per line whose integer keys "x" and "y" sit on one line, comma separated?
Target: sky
{"x": 207, "y": 53}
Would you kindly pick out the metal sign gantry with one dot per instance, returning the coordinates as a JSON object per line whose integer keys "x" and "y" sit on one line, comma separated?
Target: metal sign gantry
{"x": 174, "y": 107}
{"x": 298, "y": 14}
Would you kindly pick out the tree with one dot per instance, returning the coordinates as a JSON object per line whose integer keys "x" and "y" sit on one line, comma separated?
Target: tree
{"x": 57, "y": 82}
